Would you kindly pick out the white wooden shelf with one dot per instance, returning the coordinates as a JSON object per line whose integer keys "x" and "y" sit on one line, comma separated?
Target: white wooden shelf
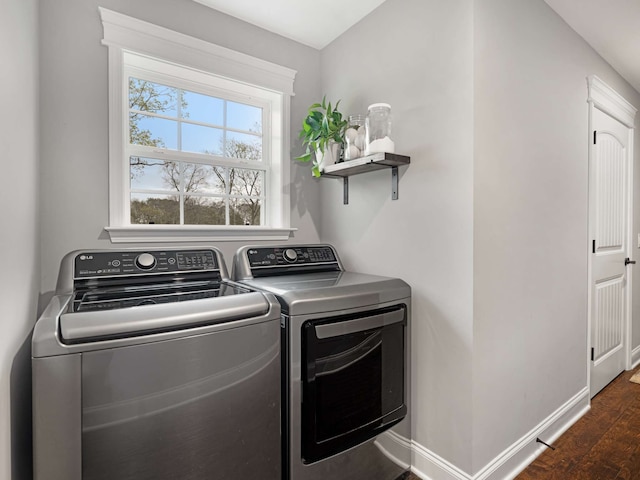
{"x": 370, "y": 163}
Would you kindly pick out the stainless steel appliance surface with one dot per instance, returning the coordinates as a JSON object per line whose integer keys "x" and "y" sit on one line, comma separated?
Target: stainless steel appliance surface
{"x": 345, "y": 347}
{"x": 154, "y": 365}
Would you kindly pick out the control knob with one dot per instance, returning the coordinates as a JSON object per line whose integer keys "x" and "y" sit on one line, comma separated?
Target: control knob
{"x": 145, "y": 261}
{"x": 290, "y": 255}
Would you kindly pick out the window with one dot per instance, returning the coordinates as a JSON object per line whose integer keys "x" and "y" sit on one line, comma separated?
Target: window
{"x": 197, "y": 153}
{"x": 198, "y": 138}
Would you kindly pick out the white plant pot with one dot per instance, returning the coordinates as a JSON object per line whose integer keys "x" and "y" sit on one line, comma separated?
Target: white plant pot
{"x": 329, "y": 157}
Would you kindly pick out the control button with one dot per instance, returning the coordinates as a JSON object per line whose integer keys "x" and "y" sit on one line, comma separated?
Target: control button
{"x": 171, "y": 260}
{"x": 146, "y": 261}
{"x": 115, "y": 263}
{"x": 290, "y": 255}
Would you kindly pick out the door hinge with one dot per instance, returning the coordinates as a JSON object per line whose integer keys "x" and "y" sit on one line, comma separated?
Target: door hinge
{"x": 593, "y": 246}
{"x": 594, "y": 137}
{"x": 593, "y": 354}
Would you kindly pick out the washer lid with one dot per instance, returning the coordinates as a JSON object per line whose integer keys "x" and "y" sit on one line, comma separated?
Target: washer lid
{"x": 93, "y": 325}
{"x": 331, "y": 291}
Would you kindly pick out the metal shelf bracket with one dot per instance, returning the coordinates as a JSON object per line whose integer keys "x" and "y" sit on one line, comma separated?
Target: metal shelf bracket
{"x": 376, "y": 161}
{"x": 345, "y": 186}
{"x": 394, "y": 183}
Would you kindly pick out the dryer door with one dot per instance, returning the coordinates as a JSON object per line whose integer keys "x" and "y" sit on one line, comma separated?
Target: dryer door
{"x": 353, "y": 379}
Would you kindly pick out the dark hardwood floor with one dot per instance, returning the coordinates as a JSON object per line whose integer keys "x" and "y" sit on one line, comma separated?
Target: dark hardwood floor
{"x": 603, "y": 445}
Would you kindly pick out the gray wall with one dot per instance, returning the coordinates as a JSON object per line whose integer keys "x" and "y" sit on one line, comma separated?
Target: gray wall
{"x": 489, "y": 99}
{"x": 20, "y": 274}
{"x": 74, "y": 114}
{"x": 417, "y": 56}
{"x": 530, "y": 217}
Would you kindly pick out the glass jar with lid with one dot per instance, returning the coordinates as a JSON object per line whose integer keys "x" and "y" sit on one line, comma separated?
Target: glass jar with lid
{"x": 378, "y": 129}
{"x": 355, "y": 137}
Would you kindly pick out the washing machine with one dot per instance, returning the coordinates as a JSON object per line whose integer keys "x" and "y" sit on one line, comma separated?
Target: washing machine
{"x": 345, "y": 363}
{"x": 152, "y": 365}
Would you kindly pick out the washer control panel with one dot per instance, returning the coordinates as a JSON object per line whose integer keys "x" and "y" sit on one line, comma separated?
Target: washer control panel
{"x": 294, "y": 255}
{"x": 110, "y": 264}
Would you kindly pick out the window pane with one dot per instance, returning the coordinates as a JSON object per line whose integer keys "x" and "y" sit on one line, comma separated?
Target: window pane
{"x": 152, "y": 208}
{"x": 204, "y": 211}
{"x": 199, "y": 139}
{"x": 202, "y": 108}
{"x": 152, "y": 97}
{"x": 204, "y": 179}
{"x": 152, "y": 131}
{"x": 244, "y": 211}
{"x": 207, "y": 179}
{"x": 246, "y": 182}
{"x": 152, "y": 174}
{"x": 245, "y": 146}
{"x": 244, "y": 117}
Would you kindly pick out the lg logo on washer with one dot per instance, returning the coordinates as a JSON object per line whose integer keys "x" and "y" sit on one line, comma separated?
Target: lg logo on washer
{"x": 86, "y": 257}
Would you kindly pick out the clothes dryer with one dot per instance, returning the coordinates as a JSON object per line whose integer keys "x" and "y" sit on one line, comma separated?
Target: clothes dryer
{"x": 345, "y": 351}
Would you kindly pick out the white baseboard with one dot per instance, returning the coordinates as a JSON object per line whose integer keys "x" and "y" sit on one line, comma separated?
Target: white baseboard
{"x": 429, "y": 466}
{"x": 517, "y": 457}
{"x": 395, "y": 447}
{"x": 635, "y": 357}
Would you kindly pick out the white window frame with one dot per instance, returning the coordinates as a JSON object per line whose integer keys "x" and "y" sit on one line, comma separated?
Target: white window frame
{"x": 148, "y": 69}
{"x": 125, "y": 36}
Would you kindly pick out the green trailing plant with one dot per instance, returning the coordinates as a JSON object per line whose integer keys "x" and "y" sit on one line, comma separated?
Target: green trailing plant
{"x": 323, "y": 125}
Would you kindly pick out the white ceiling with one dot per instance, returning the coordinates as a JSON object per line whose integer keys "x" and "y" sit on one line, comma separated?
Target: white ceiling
{"x": 611, "y": 27}
{"x": 313, "y": 23}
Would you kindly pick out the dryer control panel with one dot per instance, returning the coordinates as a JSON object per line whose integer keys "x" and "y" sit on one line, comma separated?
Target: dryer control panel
{"x": 272, "y": 256}
{"x": 261, "y": 261}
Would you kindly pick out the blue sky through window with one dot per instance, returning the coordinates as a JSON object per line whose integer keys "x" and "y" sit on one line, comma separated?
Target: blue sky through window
{"x": 203, "y": 108}
{"x": 166, "y": 131}
{"x": 199, "y": 139}
{"x": 148, "y": 174}
{"x": 244, "y": 117}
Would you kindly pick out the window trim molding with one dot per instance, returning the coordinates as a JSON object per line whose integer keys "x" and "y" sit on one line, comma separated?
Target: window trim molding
{"x": 124, "y": 33}
{"x": 128, "y": 33}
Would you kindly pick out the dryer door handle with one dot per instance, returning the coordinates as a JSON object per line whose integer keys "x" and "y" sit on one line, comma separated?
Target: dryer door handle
{"x": 370, "y": 322}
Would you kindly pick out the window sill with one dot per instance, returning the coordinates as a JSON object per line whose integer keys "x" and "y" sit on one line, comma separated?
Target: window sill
{"x": 194, "y": 233}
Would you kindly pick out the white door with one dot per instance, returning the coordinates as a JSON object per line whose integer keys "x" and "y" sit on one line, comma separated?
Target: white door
{"x": 609, "y": 223}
